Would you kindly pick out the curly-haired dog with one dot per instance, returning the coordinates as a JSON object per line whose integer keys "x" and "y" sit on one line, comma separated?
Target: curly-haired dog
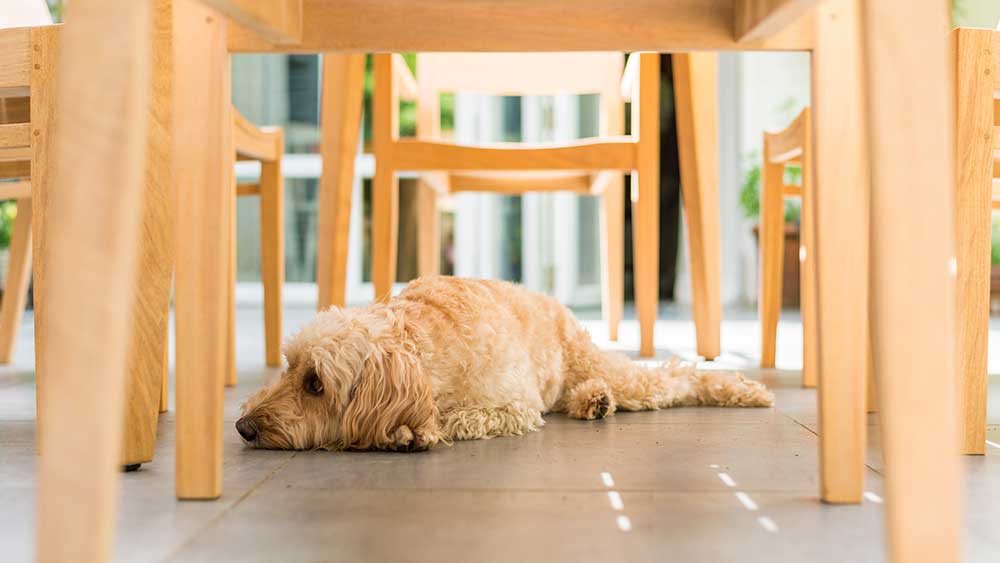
{"x": 459, "y": 359}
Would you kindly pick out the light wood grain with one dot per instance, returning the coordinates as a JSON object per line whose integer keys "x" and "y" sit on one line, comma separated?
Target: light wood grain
{"x": 15, "y": 135}
{"x": 840, "y": 173}
{"x": 610, "y": 185}
{"x": 605, "y": 154}
{"x": 18, "y": 169}
{"x": 646, "y": 198}
{"x": 15, "y": 58}
{"x": 45, "y": 43}
{"x": 203, "y": 129}
{"x": 786, "y": 145}
{"x": 521, "y": 25}
{"x": 102, "y": 76}
{"x": 151, "y": 309}
{"x": 15, "y": 153}
{"x": 772, "y": 251}
{"x": 913, "y": 292}
{"x": 429, "y": 184}
{"x": 15, "y": 287}
{"x": 272, "y": 249}
{"x": 343, "y": 90}
{"x": 247, "y": 189}
{"x": 255, "y": 143}
{"x": 754, "y": 20}
{"x": 973, "y": 84}
{"x": 279, "y": 21}
{"x": 695, "y": 91}
{"x": 15, "y": 190}
{"x": 807, "y": 262}
{"x": 385, "y": 184}
{"x": 522, "y": 182}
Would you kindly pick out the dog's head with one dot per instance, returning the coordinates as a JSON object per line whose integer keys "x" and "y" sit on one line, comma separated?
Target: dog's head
{"x": 353, "y": 378}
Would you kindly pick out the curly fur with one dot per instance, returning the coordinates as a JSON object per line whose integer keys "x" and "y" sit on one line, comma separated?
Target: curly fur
{"x": 461, "y": 359}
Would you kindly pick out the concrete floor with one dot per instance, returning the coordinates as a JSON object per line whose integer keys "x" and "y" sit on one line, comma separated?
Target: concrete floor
{"x": 682, "y": 485}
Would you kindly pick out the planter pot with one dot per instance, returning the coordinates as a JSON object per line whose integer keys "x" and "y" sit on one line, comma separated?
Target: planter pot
{"x": 790, "y": 267}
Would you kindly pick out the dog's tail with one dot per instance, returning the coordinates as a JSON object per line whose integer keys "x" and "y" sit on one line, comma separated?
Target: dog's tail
{"x": 675, "y": 384}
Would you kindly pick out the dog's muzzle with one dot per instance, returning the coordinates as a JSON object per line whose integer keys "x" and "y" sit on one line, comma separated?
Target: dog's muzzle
{"x": 247, "y": 428}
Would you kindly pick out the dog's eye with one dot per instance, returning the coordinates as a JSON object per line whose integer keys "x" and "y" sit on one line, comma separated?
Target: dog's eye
{"x": 312, "y": 383}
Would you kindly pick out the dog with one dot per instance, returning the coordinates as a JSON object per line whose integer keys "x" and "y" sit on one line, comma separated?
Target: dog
{"x": 459, "y": 359}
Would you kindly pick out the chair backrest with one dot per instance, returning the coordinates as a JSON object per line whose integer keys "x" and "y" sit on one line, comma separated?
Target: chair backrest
{"x": 24, "y": 13}
{"x": 520, "y": 73}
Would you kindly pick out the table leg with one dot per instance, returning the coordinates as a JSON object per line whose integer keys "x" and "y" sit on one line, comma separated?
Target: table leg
{"x": 203, "y": 130}
{"x": 95, "y": 197}
{"x": 974, "y": 81}
{"x": 913, "y": 286}
{"x": 151, "y": 310}
{"x": 840, "y": 217}
{"x": 646, "y": 200}
{"x": 696, "y": 92}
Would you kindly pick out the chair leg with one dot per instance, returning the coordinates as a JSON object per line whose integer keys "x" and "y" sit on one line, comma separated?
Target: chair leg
{"x": 974, "y": 82}
{"x": 272, "y": 250}
{"x": 96, "y": 204}
{"x": 385, "y": 184}
{"x": 428, "y": 231}
{"x": 385, "y": 231}
{"x": 204, "y": 185}
{"x": 343, "y": 90}
{"x": 230, "y": 376}
{"x": 807, "y": 265}
{"x": 840, "y": 174}
{"x": 613, "y": 254}
{"x": 151, "y": 312}
{"x": 646, "y": 203}
{"x": 165, "y": 381}
{"x": 772, "y": 252}
{"x": 15, "y": 295}
{"x": 913, "y": 292}
{"x": 696, "y": 92}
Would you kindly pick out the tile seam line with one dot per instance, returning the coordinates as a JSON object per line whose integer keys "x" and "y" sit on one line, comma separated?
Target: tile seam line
{"x": 810, "y": 430}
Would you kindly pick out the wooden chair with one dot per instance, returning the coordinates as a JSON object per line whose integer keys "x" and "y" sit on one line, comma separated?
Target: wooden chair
{"x": 590, "y": 166}
{"x": 267, "y": 145}
{"x": 977, "y": 193}
{"x": 789, "y": 147}
{"x": 25, "y": 106}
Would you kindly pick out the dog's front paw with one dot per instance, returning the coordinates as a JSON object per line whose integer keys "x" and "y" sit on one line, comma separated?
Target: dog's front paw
{"x": 591, "y": 400}
{"x": 403, "y": 439}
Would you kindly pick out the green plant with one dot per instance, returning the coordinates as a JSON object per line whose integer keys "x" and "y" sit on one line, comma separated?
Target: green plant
{"x": 995, "y": 243}
{"x": 750, "y": 191}
{"x": 8, "y": 210}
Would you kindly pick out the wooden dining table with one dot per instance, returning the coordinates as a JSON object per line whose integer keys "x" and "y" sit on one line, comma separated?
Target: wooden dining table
{"x": 885, "y": 271}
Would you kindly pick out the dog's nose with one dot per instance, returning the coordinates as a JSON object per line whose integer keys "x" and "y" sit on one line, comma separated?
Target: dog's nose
{"x": 247, "y": 428}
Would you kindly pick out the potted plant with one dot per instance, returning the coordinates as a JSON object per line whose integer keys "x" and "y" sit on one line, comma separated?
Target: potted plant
{"x": 750, "y": 204}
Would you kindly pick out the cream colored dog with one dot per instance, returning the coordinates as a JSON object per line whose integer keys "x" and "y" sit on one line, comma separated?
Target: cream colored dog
{"x": 459, "y": 359}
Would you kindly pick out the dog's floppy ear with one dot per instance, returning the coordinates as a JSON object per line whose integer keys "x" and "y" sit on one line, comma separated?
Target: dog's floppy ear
{"x": 390, "y": 392}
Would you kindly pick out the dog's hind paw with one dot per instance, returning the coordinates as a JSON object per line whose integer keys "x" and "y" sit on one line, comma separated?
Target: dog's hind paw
{"x": 590, "y": 400}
